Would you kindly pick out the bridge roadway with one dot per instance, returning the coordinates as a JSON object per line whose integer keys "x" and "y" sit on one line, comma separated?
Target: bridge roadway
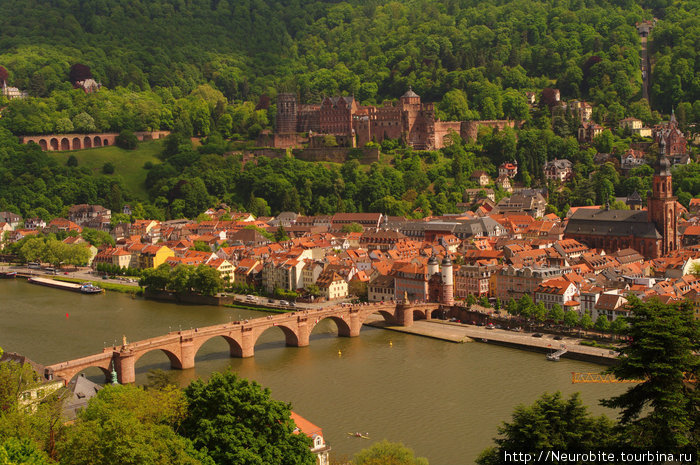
{"x": 181, "y": 346}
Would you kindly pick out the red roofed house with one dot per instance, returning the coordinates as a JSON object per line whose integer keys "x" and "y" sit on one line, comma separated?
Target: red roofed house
{"x": 319, "y": 446}
{"x": 694, "y": 206}
{"x": 61, "y": 225}
{"x": 555, "y": 291}
{"x": 508, "y": 169}
{"x": 332, "y": 285}
{"x": 611, "y": 305}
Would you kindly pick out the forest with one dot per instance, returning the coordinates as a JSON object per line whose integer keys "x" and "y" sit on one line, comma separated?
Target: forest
{"x": 213, "y": 69}
{"x": 371, "y": 49}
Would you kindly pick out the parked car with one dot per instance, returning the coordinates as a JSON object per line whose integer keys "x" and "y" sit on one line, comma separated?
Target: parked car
{"x": 249, "y": 297}
{"x": 284, "y": 302}
{"x": 271, "y": 301}
{"x": 537, "y": 335}
{"x": 557, "y": 338}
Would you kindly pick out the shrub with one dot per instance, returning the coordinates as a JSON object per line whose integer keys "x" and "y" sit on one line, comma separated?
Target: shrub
{"x": 127, "y": 140}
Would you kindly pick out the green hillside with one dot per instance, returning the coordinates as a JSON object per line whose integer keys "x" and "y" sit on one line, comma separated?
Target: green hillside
{"x": 128, "y": 164}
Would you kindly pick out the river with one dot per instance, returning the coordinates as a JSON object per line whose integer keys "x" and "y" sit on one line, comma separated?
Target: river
{"x": 442, "y": 399}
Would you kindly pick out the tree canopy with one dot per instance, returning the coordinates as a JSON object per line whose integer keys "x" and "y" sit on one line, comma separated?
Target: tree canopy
{"x": 240, "y": 424}
{"x": 663, "y": 411}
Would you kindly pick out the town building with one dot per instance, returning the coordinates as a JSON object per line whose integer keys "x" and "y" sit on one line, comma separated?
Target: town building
{"x": 589, "y": 131}
{"x": 332, "y": 285}
{"x": 558, "y": 170}
{"x": 508, "y": 169}
{"x": 318, "y": 446}
{"x": 672, "y": 143}
{"x": 635, "y": 126}
{"x": 556, "y": 291}
{"x": 381, "y": 289}
{"x": 472, "y": 280}
{"x": 631, "y": 159}
{"x": 480, "y": 177}
{"x": 515, "y": 282}
{"x": 653, "y": 232}
{"x": 13, "y": 219}
{"x": 29, "y": 399}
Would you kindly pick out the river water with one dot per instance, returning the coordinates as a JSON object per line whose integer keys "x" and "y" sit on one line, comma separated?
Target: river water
{"x": 442, "y": 399}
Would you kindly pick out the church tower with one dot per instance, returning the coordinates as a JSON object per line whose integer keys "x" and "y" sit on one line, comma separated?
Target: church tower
{"x": 661, "y": 206}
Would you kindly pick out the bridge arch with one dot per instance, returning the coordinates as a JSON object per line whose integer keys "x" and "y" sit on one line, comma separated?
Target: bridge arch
{"x": 340, "y": 323}
{"x": 43, "y": 144}
{"x": 175, "y": 361}
{"x": 70, "y": 373}
{"x": 76, "y": 144}
{"x": 53, "y": 143}
{"x": 98, "y": 141}
{"x": 291, "y": 338}
{"x": 386, "y": 312}
{"x": 65, "y": 144}
{"x": 87, "y": 142}
{"x": 235, "y": 348}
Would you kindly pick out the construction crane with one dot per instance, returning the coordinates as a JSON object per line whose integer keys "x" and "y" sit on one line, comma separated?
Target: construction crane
{"x": 578, "y": 377}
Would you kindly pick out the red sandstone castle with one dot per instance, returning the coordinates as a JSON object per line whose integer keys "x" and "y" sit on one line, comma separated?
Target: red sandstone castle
{"x": 354, "y": 125}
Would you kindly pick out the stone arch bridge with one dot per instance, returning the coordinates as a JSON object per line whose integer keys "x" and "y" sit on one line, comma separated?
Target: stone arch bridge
{"x": 181, "y": 346}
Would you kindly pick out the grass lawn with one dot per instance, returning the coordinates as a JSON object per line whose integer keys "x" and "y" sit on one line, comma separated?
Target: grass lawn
{"x": 107, "y": 286}
{"x": 127, "y": 163}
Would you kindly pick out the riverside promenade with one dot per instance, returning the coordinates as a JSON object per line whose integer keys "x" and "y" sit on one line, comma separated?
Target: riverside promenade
{"x": 458, "y": 332}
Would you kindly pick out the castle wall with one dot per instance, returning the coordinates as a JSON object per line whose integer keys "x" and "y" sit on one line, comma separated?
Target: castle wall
{"x": 470, "y": 129}
{"x": 443, "y": 129}
{"x": 366, "y": 155}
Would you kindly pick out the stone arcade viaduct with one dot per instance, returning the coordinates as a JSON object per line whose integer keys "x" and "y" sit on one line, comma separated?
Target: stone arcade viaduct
{"x": 181, "y": 346}
{"x": 61, "y": 142}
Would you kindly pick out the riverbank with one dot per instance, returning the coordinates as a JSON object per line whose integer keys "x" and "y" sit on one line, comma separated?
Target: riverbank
{"x": 104, "y": 285}
{"x": 458, "y": 333}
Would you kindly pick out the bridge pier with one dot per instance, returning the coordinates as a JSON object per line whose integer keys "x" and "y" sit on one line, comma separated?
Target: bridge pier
{"x": 404, "y": 315}
{"x": 302, "y": 335}
{"x": 187, "y": 354}
{"x": 126, "y": 367}
{"x": 355, "y": 324}
{"x": 247, "y": 343}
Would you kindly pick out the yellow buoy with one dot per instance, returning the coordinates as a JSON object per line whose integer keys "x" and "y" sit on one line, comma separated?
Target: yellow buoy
{"x": 339, "y": 353}
{"x": 391, "y": 344}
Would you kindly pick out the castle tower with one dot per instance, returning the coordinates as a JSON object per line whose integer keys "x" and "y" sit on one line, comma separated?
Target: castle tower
{"x": 661, "y": 206}
{"x": 286, "y": 121}
{"x": 447, "y": 282}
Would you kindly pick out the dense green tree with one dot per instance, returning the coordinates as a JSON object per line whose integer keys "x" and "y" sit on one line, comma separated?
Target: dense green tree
{"x": 281, "y": 234}
{"x": 15, "y": 451}
{"x": 556, "y": 313}
{"x": 385, "y": 452}
{"x": 602, "y": 324}
{"x": 238, "y": 423}
{"x": 129, "y": 425}
{"x": 97, "y": 238}
{"x": 663, "y": 412}
{"x": 570, "y": 318}
{"x": 551, "y": 423}
{"x": 352, "y": 227}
